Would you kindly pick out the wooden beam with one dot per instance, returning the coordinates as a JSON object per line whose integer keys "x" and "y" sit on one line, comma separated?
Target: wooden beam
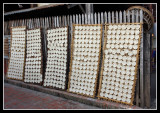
{"x": 31, "y": 9}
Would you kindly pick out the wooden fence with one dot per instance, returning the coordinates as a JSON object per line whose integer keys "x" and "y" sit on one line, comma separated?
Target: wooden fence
{"x": 94, "y": 18}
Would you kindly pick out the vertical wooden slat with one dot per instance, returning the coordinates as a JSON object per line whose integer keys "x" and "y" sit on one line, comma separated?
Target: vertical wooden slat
{"x": 76, "y": 19}
{"x": 95, "y": 18}
{"x": 83, "y": 19}
{"x": 89, "y": 19}
{"x": 25, "y": 22}
{"x": 50, "y": 22}
{"x": 99, "y": 20}
{"x": 68, "y": 20}
{"x": 32, "y": 26}
{"x": 138, "y": 74}
{"x": 141, "y": 65}
{"x": 60, "y": 21}
{"x": 128, "y": 17}
{"x": 57, "y": 21}
{"x": 53, "y": 22}
{"x": 137, "y": 16}
{"x": 86, "y": 20}
{"x": 70, "y": 25}
{"x": 39, "y": 22}
{"x": 43, "y": 22}
{"x": 92, "y": 19}
{"x": 36, "y": 23}
{"x": 29, "y": 23}
{"x": 45, "y": 19}
{"x": 105, "y": 17}
{"x": 79, "y": 19}
{"x": 109, "y": 17}
{"x": 102, "y": 21}
{"x": 65, "y": 20}
{"x": 116, "y": 16}
{"x": 133, "y": 16}
{"x": 112, "y": 17}
{"x": 120, "y": 17}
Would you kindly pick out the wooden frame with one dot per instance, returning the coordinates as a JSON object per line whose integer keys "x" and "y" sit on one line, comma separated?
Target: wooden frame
{"x": 72, "y": 43}
{"x": 137, "y": 60}
{"x": 66, "y": 59}
{"x": 41, "y": 70}
{"x": 11, "y": 52}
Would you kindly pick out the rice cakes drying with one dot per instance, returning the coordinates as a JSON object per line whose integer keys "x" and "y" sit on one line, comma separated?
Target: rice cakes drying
{"x": 17, "y": 53}
{"x": 85, "y": 55}
{"x": 120, "y": 60}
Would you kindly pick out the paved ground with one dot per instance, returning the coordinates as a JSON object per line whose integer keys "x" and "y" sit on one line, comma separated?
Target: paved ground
{"x": 21, "y": 98}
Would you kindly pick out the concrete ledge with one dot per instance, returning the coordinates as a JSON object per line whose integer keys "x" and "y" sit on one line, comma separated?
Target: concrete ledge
{"x": 86, "y": 100}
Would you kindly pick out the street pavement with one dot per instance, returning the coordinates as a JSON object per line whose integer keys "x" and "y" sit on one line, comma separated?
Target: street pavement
{"x": 21, "y": 98}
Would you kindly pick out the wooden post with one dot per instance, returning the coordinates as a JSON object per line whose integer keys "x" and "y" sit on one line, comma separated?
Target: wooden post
{"x": 138, "y": 78}
{"x": 141, "y": 65}
{"x": 147, "y": 70}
